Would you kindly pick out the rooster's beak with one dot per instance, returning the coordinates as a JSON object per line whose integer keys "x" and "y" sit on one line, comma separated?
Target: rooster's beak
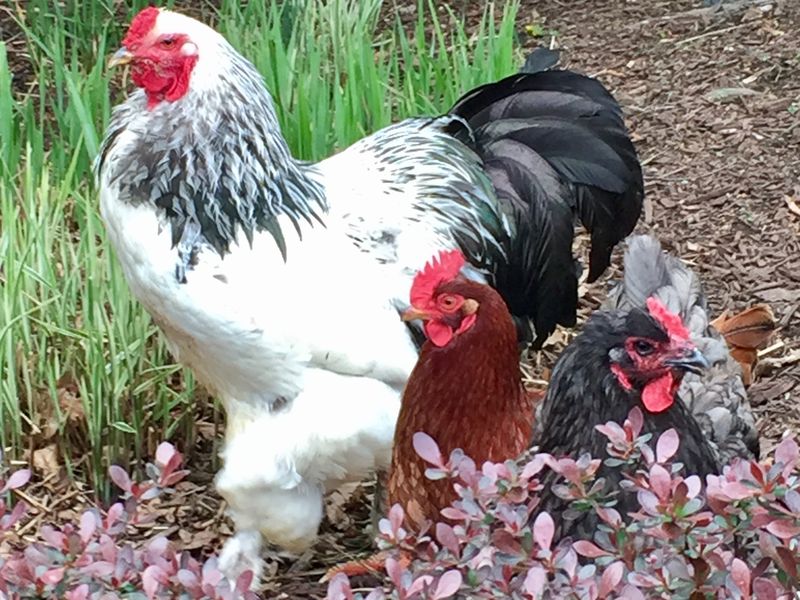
{"x": 412, "y": 314}
{"x": 121, "y": 57}
{"x": 690, "y": 360}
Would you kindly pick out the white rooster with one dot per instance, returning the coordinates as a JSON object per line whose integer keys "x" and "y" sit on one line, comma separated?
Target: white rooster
{"x": 279, "y": 282}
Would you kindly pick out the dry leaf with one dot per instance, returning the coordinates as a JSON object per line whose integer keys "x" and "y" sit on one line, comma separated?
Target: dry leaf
{"x": 45, "y": 460}
{"x": 750, "y": 328}
{"x": 791, "y": 202}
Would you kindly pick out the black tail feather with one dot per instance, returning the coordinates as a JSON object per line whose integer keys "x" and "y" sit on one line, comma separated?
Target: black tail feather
{"x": 556, "y": 147}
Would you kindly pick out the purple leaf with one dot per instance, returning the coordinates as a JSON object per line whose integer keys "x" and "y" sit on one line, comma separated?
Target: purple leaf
{"x": 764, "y": 589}
{"x": 396, "y": 516}
{"x": 783, "y": 529}
{"x": 635, "y": 420}
{"x": 740, "y": 574}
{"x": 611, "y": 578}
{"x": 535, "y": 581}
{"x": 660, "y": 481}
{"x": 52, "y": 576}
{"x": 447, "y": 538}
{"x": 152, "y": 577}
{"x": 631, "y": 593}
{"x": 79, "y": 593}
{"x": 588, "y": 549}
{"x": 667, "y": 445}
{"x": 449, "y": 584}
{"x": 543, "y": 530}
{"x": 419, "y": 584}
{"x": 164, "y": 453}
{"x": 120, "y": 477}
{"x": 395, "y": 571}
{"x": 786, "y": 452}
{"x": 88, "y": 526}
{"x": 17, "y": 480}
{"x": 426, "y": 447}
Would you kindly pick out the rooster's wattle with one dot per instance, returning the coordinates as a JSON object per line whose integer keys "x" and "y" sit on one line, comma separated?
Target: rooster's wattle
{"x": 248, "y": 259}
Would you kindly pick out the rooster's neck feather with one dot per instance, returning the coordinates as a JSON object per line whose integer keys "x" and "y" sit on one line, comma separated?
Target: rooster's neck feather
{"x": 214, "y": 161}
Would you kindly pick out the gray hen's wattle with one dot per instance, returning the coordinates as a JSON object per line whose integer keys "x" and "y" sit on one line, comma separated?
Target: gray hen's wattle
{"x": 717, "y": 397}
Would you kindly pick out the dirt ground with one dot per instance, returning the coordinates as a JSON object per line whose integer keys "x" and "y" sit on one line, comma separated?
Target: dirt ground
{"x": 713, "y": 102}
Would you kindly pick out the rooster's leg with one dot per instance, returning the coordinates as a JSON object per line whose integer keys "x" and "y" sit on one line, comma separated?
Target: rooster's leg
{"x": 242, "y": 553}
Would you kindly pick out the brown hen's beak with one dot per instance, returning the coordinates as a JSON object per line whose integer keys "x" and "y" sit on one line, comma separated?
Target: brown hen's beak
{"x": 691, "y": 359}
{"x": 121, "y": 57}
{"x": 412, "y": 314}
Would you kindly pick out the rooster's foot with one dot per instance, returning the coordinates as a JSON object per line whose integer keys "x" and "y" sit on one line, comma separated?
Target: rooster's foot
{"x": 240, "y": 554}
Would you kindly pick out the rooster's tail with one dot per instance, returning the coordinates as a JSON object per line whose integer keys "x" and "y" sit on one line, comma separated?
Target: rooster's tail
{"x": 555, "y": 146}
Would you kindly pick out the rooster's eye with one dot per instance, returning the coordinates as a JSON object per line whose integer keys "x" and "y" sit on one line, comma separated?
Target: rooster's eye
{"x": 448, "y": 302}
{"x": 643, "y": 348}
{"x": 168, "y": 42}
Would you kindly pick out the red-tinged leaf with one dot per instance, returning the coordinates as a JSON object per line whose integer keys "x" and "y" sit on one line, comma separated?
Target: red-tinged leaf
{"x": 786, "y": 452}
{"x": 612, "y": 576}
{"x": 79, "y": 593}
{"x": 423, "y": 582}
{"x": 449, "y": 583}
{"x": 609, "y": 515}
{"x": 631, "y": 593}
{"x": 396, "y": 517}
{"x": 635, "y": 421}
{"x": 339, "y": 588}
{"x": 454, "y": 514}
{"x": 54, "y": 538}
{"x": 543, "y": 530}
{"x": 588, "y": 549}
{"x": 9, "y": 520}
{"x": 660, "y": 481}
{"x": 788, "y": 561}
{"x": 693, "y": 485}
{"x": 568, "y": 468}
{"x": 740, "y": 574}
{"x": 428, "y": 450}
{"x": 612, "y": 431}
{"x": 244, "y": 581}
{"x": 120, "y": 477}
{"x": 737, "y": 491}
{"x": 792, "y": 500}
{"x": 17, "y": 480}
{"x": 534, "y": 466}
{"x": 395, "y": 571}
{"x": 535, "y": 581}
{"x": 567, "y": 560}
{"x": 164, "y": 453}
{"x": 783, "y": 529}
{"x": 376, "y": 594}
{"x": 764, "y": 589}
{"x": 173, "y": 478}
{"x": 447, "y": 538}
{"x": 52, "y": 576}
{"x": 667, "y": 445}
{"x": 188, "y": 580}
{"x": 88, "y": 526}
{"x": 152, "y": 577}
{"x": 98, "y": 569}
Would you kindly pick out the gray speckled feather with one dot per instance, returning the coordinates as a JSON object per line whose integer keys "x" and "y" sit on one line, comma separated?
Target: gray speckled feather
{"x": 717, "y": 398}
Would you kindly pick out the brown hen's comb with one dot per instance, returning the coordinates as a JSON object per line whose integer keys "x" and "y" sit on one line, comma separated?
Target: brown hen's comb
{"x": 745, "y": 332}
{"x": 438, "y": 270}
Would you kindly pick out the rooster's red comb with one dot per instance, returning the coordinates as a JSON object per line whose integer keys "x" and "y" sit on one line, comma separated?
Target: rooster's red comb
{"x": 668, "y": 319}
{"x": 436, "y": 272}
{"x": 141, "y": 25}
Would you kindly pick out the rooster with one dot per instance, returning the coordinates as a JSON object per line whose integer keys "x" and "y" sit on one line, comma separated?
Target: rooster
{"x": 246, "y": 257}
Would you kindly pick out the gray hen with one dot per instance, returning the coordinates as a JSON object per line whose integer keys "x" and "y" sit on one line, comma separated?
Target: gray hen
{"x": 717, "y": 398}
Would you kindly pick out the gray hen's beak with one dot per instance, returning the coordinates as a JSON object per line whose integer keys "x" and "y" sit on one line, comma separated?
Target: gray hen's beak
{"x": 121, "y": 57}
{"x": 691, "y": 360}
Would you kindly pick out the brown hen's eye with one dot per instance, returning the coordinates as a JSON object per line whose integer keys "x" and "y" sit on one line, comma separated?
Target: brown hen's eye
{"x": 448, "y": 302}
{"x": 643, "y": 348}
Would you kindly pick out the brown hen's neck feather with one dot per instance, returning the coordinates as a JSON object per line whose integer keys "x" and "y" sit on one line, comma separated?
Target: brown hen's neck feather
{"x": 467, "y": 394}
